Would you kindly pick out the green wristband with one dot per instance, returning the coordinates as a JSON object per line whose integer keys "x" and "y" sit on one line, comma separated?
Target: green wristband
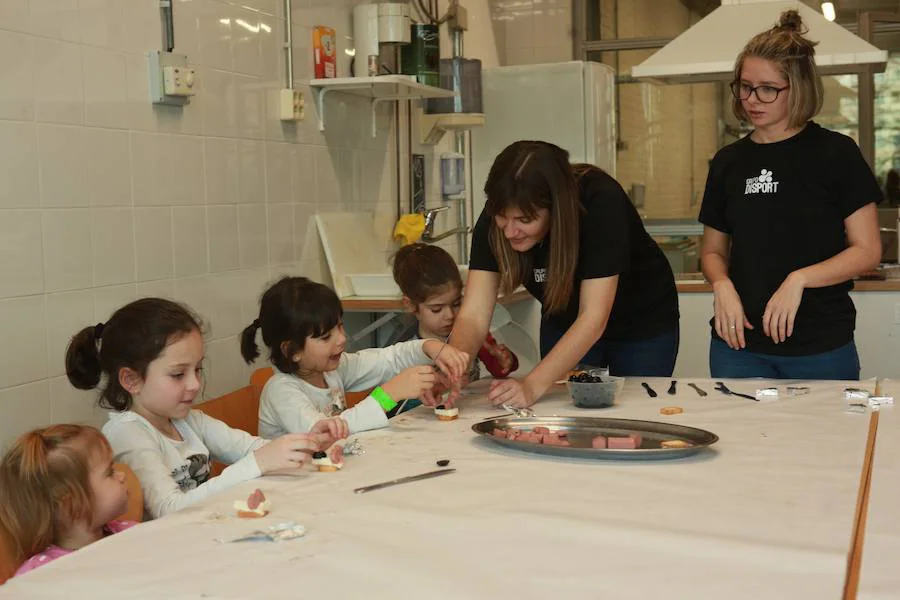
{"x": 383, "y": 398}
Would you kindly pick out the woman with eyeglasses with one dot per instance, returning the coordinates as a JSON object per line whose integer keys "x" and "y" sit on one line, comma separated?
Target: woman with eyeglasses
{"x": 790, "y": 220}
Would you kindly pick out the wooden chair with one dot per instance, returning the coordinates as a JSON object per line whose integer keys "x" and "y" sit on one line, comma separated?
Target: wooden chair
{"x": 258, "y": 381}
{"x": 238, "y": 409}
{"x": 135, "y": 510}
{"x": 7, "y": 569}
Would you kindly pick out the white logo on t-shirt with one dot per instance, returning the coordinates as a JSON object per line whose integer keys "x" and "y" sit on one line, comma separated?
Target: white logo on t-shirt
{"x": 764, "y": 184}
{"x": 540, "y": 275}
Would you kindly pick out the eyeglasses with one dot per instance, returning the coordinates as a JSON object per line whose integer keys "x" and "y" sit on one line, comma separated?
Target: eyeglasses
{"x": 766, "y": 94}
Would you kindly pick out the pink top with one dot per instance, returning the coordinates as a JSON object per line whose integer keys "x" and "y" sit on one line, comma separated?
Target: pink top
{"x": 54, "y": 552}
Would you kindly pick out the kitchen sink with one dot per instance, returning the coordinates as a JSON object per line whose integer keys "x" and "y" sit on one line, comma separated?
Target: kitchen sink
{"x": 381, "y": 285}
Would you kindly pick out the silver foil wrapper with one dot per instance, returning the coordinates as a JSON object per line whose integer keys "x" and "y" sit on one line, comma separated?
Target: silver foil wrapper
{"x": 767, "y": 394}
{"x": 353, "y": 447}
{"x": 856, "y": 394}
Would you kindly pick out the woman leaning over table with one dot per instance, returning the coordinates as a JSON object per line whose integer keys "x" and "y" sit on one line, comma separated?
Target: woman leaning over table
{"x": 571, "y": 236}
{"x": 790, "y": 220}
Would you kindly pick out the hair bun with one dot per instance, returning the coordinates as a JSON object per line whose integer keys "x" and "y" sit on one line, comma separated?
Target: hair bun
{"x": 790, "y": 20}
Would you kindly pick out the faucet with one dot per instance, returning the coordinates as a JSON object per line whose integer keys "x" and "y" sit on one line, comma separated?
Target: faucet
{"x": 428, "y": 235}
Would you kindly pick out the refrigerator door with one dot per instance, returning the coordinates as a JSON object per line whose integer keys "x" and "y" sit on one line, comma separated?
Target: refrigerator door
{"x": 569, "y": 104}
{"x": 600, "y": 116}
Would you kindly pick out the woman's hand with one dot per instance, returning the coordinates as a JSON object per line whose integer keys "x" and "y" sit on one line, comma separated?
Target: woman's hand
{"x": 443, "y": 385}
{"x": 781, "y": 310}
{"x": 729, "y": 315}
{"x": 449, "y": 360}
{"x": 511, "y": 392}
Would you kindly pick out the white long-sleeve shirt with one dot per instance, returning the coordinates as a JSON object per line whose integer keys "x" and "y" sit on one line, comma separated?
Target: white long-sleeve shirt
{"x": 175, "y": 474}
{"x": 292, "y": 405}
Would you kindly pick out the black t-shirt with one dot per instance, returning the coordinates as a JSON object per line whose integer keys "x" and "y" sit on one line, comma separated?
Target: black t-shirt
{"x": 784, "y": 205}
{"x": 612, "y": 241}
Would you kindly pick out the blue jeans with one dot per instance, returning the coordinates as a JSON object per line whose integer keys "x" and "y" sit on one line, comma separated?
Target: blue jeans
{"x": 654, "y": 357}
{"x": 841, "y": 363}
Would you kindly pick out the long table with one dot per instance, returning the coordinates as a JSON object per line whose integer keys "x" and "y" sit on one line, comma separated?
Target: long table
{"x": 880, "y": 575}
{"x": 766, "y": 513}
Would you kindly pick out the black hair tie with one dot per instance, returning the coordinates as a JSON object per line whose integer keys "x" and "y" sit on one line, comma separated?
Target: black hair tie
{"x": 98, "y": 330}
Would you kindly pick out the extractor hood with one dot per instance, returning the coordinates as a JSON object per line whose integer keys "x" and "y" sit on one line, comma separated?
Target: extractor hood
{"x": 706, "y": 51}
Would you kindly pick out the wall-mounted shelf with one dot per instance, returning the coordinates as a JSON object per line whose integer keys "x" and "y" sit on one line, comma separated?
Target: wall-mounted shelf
{"x": 433, "y": 127}
{"x": 383, "y": 88}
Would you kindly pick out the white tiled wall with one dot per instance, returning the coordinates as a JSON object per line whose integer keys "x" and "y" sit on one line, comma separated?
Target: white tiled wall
{"x": 105, "y": 198}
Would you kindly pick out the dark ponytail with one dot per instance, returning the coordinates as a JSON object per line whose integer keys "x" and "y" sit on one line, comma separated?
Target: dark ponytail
{"x": 83, "y": 359}
{"x": 248, "y": 342}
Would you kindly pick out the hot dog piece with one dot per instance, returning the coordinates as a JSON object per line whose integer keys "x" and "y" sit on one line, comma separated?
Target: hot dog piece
{"x": 630, "y": 442}
{"x": 598, "y": 442}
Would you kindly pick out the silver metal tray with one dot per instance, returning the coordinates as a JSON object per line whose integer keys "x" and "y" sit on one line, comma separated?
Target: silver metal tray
{"x": 581, "y": 431}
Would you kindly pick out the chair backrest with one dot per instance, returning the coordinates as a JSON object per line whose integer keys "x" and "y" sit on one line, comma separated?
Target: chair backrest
{"x": 7, "y": 568}
{"x": 135, "y": 510}
{"x": 238, "y": 409}
{"x": 258, "y": 381}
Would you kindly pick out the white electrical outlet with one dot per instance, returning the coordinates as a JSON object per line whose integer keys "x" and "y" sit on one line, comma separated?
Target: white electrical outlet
{"x": 291, "y": 105}
{"x": 172, "y": 82}
{"x": 178, "y": 81}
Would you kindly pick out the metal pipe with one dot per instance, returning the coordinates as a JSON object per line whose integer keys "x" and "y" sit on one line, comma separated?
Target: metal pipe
{"x": 397, "y": 131}
{"x": 457, "y": 39}
{"x": 460, "y": 146}
{"x": 288, "y": 45}
{"x": 625, "y": 44}
{"x": 168, "y": 24}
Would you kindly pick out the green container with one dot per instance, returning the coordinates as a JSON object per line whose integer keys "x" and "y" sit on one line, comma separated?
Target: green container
{"x": 421, "y": 57}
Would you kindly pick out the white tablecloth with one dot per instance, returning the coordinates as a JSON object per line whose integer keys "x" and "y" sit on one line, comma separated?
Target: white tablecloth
{"x": 880, "y": 575}
{"x": 766, "y": 514}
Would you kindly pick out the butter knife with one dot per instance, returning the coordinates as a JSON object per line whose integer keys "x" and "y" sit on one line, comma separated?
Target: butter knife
{"x": 428, "y": 475}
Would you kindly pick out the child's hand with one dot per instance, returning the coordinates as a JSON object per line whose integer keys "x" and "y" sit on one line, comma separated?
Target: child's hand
{"x": 505, "y": 357}
{"x": 451, "y": 361}
{"x": 411, "y": 383}
{"x": 443, "y": 385}
{"x": 334, "y": 427}
{"x": 289, "y": 451}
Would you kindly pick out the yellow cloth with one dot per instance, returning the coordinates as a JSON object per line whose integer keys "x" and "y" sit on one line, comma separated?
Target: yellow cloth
{"x": 409, "y": 229}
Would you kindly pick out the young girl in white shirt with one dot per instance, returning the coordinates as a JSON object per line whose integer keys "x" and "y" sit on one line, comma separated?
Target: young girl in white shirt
{"x": 302, "y": 327}
{"x": 150, "y": 354}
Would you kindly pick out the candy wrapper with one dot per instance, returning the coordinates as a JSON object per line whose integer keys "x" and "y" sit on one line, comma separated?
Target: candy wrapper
{"x": 276, "y": 533}
{"x": 767, "y": 394}
{"x": 852, "y": 394}
{"x": 353, "y": 447}
{"x": 877, "y": 402}
{"x": 795, "y": 390}
{"x": 522, "y": 413}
